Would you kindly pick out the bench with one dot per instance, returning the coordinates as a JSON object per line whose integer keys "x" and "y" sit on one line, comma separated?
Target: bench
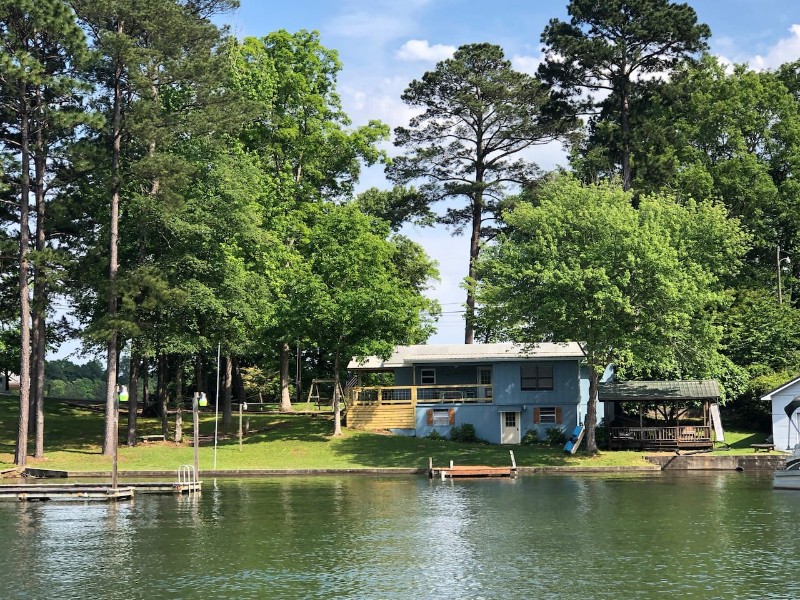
{"x": 764, "y": 447}
{"x": 151, "y": 438}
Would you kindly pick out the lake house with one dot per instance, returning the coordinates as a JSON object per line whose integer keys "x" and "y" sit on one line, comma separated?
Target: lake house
{"x": 503, "y": 390}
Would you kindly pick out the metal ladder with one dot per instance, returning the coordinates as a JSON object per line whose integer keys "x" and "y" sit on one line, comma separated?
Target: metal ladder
{"x": 187, "y": 477}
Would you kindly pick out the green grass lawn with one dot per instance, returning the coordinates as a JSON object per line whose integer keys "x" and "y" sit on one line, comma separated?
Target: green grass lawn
{"x": 73, "y": 438}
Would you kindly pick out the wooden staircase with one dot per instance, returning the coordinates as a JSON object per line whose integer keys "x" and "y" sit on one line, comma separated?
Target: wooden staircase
{"x": 381, "y": 416}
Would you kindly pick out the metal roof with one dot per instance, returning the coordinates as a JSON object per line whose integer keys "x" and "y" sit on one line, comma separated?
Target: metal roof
{"x": 405, "y": 356}
{"x": 780, "y": 388}
{"x": 651, "y": 391}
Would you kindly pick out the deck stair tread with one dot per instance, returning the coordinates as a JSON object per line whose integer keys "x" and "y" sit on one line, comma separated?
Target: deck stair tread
{"x": 381, "y": 417}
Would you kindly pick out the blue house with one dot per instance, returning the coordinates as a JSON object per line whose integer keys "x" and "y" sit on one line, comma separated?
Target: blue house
{"x": 503, "y": 390}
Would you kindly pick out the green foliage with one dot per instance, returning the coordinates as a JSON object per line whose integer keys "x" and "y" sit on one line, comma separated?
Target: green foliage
{"x": 613, "y": 47}
{"x": 531, "y": 438}
{"x": 629, "y": 284}
{"x": 478, "y": 116}
{"x": 555, "y": 436}
{"x": 464, "y": 434}
{"x": 435, "y": 435}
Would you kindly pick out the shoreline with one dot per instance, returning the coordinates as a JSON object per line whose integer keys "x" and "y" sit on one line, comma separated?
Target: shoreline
{"x": 660, "y": 462}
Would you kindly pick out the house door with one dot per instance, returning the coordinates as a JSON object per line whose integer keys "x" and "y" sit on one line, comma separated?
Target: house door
{"x": 509, "y": 428}
{"x": 484, "y": 382}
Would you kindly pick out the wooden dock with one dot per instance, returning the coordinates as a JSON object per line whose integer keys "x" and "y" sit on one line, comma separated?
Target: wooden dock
{"x": 94, "y": 491}
{"x": 460, "y": 471}
{"x": 41, "y": 492}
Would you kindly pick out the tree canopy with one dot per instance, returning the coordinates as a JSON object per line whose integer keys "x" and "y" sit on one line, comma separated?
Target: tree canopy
{"x": 584, "y": 265}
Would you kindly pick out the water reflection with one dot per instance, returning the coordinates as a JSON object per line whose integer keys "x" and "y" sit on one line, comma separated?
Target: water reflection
{"x": 709, "y": 536}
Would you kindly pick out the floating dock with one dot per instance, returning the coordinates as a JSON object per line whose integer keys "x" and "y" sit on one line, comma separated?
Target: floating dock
{"x": 459, "y": 471}
{"x": 41, "y": 492}
{"x": 93, "y": 491}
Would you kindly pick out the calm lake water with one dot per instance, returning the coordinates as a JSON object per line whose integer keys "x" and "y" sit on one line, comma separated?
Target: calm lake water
{"x": 636, "y": 536}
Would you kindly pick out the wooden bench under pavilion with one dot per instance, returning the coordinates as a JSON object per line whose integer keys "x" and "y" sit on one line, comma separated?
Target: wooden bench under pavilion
{"x": 690, "y": 436}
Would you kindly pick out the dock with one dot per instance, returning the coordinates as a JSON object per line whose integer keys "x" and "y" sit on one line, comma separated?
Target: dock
{"x": 94, "y": 491}
{"x": 42, "y": 493}
{"x": 463, "y": 471}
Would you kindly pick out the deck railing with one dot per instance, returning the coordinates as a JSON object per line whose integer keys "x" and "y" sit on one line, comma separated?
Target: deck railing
{"x": 422, "y": 394}
{"x": 661, "y": 436}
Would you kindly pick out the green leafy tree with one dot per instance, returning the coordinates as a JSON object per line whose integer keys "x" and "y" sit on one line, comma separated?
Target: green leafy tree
{"x": 625, "y": 283}
{"x": 158, "y": 70}
{"x": 609, "y": 48}
{"x": 734, "y": 136}
{"x": 306, "y": 148}
{"x": 356, "y": 301}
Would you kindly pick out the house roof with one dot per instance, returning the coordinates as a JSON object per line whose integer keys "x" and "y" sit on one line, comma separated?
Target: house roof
{"x": 650, "y": 391}
{"x": 405, "y": 356}
{"x": 780, "y": 388}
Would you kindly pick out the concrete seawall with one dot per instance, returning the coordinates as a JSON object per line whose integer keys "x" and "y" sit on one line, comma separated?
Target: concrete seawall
{"x": 706, "y": 462}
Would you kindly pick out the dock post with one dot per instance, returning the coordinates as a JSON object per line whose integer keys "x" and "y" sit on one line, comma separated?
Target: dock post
{"x": 451, "y": 464}
{"x": 430, "y": 466}
{"x": 513, "y": 460}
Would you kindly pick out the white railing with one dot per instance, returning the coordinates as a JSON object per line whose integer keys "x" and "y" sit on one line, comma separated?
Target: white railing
{"x": 420, "y": 394}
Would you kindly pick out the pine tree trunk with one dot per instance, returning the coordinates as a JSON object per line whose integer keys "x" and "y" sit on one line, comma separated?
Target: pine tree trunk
{"x": 227, "y": 393}
{"x": 21, "y": 450}
{"x": 40, "y": 295}
{"x": 591, "y": 410}
{"x": 161, "y": 384}
{"x": 626, "y": 143}
{"x": 109, "y": 439}
{"x": 238, "y": 382}
{"x": 474, "y": 248}
{"x": 133, "y": 394}
{"x": 199, "y": 379}
{"x": 337, "y": 417}
{"x": 145, "y": 383}
{"x": 286, "y": 399}
{"x": 179, "y": 402}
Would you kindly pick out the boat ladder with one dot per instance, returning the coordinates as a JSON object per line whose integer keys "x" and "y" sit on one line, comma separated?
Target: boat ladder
{"x": 187, "y": 479}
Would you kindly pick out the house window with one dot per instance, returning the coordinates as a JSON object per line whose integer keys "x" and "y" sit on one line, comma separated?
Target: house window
{"x": 536, "y": 377}
{"x": 427, "y": 376}
{"x": 485, "y": 375}
{"x": 547, "y": 415}
{"x": 441, "y": 417}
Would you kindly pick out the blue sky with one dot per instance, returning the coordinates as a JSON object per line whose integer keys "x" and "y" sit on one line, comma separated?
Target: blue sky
{"x": 385, "y": 44}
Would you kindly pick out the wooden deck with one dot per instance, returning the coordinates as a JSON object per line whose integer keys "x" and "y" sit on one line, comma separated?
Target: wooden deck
{"x": 696, "y": 437}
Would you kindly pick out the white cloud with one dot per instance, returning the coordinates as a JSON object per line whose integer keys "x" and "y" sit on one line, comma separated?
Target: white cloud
{"x": 422, "y": 50}
{"x": 785, "y": 50}
{"x": 369, "y": 25}
{"x": 526, "y": 64}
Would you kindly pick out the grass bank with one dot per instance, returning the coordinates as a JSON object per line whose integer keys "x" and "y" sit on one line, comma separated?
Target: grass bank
{"x": 73, "y": 438}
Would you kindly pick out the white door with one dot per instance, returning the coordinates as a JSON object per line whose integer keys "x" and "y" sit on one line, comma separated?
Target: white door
{"x": 509, "y": 428}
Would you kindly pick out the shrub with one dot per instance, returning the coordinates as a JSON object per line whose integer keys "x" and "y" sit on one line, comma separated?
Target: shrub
{"x": 531, "y": 438}
{"x": 435, "y": 435}
{"x": 464, "y": 434}
{"x": 556, "y": 436}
